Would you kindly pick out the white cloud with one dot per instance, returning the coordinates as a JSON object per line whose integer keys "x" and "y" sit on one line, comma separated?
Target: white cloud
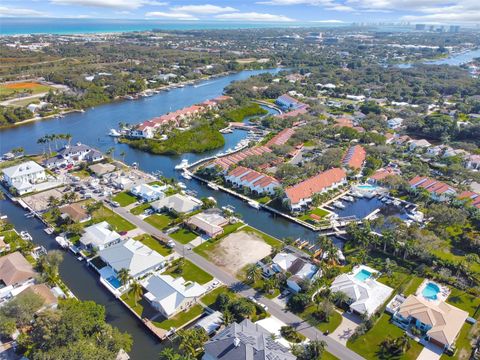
{"x": 112, "y": 4}
{"x": 254, "y": 16}
{"x": 294, "y": 2}
{"x": 203, "y": 9}
{"x": 340, "y": 8}
{"x": 8, "y": 11}
{"x": 331, "y": 21}
{"x": 170, "y": 15}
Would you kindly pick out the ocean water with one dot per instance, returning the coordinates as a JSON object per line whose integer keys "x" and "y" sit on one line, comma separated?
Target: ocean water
{"x": 17, "y": 26}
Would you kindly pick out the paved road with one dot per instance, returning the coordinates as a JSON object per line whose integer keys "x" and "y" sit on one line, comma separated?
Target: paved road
{"x": 334, "y": 347}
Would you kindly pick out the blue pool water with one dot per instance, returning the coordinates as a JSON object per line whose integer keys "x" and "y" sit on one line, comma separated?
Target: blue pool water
{"x": 114, "y": 282}
{"x": 367, "y": 187}
{"x": 430, "y": 292}
{"x": 363, "y": 275}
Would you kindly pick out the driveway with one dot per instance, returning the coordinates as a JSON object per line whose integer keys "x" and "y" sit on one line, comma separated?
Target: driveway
{"x": 346, "y": 328}
{"x": 430, "y": 352}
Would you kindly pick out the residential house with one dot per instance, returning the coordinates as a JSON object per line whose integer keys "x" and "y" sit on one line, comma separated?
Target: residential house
{"x": 226, "y": 162}
{"x": 171, "y": 295}
{"x": 16, "y": 273}
{"x": 208, "y": 222}
{"x": 145, "y": 130}
{"x": 281, "y": 138}
{"x": 299, "y": 268}
{"x": 472, "y": 197}
{"x": 75, "y": 212}
{"x": 255, "y": 181}
{"x": 435, "y": 150}
{"x": 365, "y": 294}
{"x": 472, "y": 162}
{"x": 177, "y": 203}
{"x": 148, "y": 192}
{"x": 99, "y": 236}
{"x": 402, "y": 140}
{"x": 354, "y": 157}
{"x": 450, "y": 152}
{"x": 50, "y": 301}
{"x": 134, "y": 256}
{"x": 383, "y": 173}
{"x": 286, "y": 102}
{"x": 414, "y": 145}
{"x": 438, "y": 190}
{"x": 73, "y": 154}
{"x": 211, "y": 322}
{"x": 394, "y": 123}
{"x": 439, "y": 321}
{"x": 300, "y": 195}
{"x": 24, "y": 176}
{"x": 121, "y": 182}
{"x": 101, "y": 169}
{"x": 245, "y": 341}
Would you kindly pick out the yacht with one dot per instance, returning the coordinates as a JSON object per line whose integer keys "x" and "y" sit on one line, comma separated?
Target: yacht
{"x": 183, "y": 164}
{"x": 212, "y": 186}
{"x": 62, "y": 242}
{"x": 211, "y": 198}
{"x": 186, "y": 175}
{"x": 49, "y": 230}
{"x": 254, "y": 204}
{"x": 114, "y": 133}
{"x": 181, "y": 185}
{"x": 25, "y": 235}
{"x": 338, "y": 204}
{"x": 348, "y": 198}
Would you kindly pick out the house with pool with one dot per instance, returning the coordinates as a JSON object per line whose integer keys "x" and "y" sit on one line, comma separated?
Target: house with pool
{"x": 366, "y": 295}
{"x": 426, "y": 313}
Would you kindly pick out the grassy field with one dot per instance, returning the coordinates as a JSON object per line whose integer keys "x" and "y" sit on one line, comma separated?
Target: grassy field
{"x": 464, "y": 301}
{"x": 137, "y": 210}
{"x": 413, "y": 285}
{"x": 153, "y": 244}
{"x": 183, "y": 236}
{"x": 160, "y": 221}
{"x": 191, "y": 272}
{"x": 181, "y": 318}
{"x": 124, "y": 199}
{"x": 368, "y": 345}
{"x": 117, "y": 222}
{"x": 30, "y": 88}
{"x": 317, "y": 211}
{"x": 327, "y": 356}
{"x": 210, "y": 298}
{"x": 142, "y": 308}
{"x": 331, "y": 325}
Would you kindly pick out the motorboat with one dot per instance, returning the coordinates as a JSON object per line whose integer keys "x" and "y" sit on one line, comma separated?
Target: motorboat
{"x": 338, "y": 204}
{"x": 254, "y": 204}
{"x": 187, "y": 176}
{"x": 396, "y": 202}
{"x": 181, "y": 185}
{"x": 348, "y": 198}
{"x": 183, "y": 164}
{"x": 228, "y": 208}
{"x": 25, "y": 235}
{"x": 212, "y": 186}
{"x": 49, "y": 230}
{"x": 114, "y": 133}
{"x": 62, "y": 242}
{"x": 212, "y": 199}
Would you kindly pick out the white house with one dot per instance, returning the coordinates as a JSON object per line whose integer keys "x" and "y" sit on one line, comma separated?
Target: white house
{"x": 435, "y": 150}
{"x": 365, "y": 293}
{"x": 132, "y": 255}
{"x": 178, "y": 203}
{"x": 300, "y": 269}
{"x": 171, "y": 295}
{"x": 472, "y": 162}
{"x": 99, "y": 236}
{"x": 149, "y": 192}
{"x": 418, "y": 144}
{"x": 254, "y": 180}
{"x": 394, "y": 123}
{"x": 145, "y": 130}
{"x": 24, "y": 176}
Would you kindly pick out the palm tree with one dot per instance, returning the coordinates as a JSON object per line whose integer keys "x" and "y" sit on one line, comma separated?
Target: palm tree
{"x": 340, "y": 298}
{"x": 136, "y": 290}
{"x": 123, "y": 275}
{"x": 227, "y": 317}
{"x": 253, "y": 273}
{"x": 403, "y": 343}
{"x": 42, "y": 141}
{"x": 110, "y": 152}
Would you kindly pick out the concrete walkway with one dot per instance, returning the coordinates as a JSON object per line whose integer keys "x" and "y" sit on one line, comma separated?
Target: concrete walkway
{"x": 347, "y": 327}
{"x": 430, "y": 352}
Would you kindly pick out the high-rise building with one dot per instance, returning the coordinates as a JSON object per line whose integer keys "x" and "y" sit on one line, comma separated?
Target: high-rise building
{"x": 420, "y": 27}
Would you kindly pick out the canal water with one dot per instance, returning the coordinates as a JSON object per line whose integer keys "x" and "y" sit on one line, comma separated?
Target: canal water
{"x": 453, "y": 60}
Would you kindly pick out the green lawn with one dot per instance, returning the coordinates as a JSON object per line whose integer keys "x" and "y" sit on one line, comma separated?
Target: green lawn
{"x": 334, "y": 321}
{"x": 128, "y": 298}
{"x": 368, "y": 345}
{"x": 183, "y": 236}
{"x": 464, "y": 301}
{"x": 137, "y": 210}
{"x": 181, "y": 318}
{"x": 117, "y": 222}
{"x": 124, "y": 198}
{"x": 463, "y": 344}
{"x": 154, "y": 244}
{"x": 210, "y": 298}
{"x": 327, "y": 356}
{"x": 270, "y": 240}
{"x": 317, "y": 211}
{"x": 413, "y": 285}
{"x": 160, "y": 221}
{"x": 25, "y": 87}
{"x": 191, "y": 272}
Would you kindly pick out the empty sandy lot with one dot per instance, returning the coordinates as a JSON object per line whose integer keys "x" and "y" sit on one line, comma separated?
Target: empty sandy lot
{"x": 39, "y": 202}
{"x": 239, "y": 249}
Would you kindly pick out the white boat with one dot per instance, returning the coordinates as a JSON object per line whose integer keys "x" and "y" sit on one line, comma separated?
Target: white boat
{"x": 357, "y": 194}
{"x": 114, "y": 133}
{"x": 229, "y": 150}
{"x": 187, "y": 176}
{"x": 3, "y": 217}
{"x": 211, "y": 198}
{"x": 62, "y": 242}
{"x": 228, "y": 208}
{"x": 212, "y": 186}
{"x": 49, "y": 230}
{"x": 396, "y": 202}
{"x": 254, "y": 204}
{"x": 183, "y": 164}
{"x": 181, "y": 185}
{"x": 338, "y": 204}
{"x": 25, "y": 235}
{"x": 348, "y": 198}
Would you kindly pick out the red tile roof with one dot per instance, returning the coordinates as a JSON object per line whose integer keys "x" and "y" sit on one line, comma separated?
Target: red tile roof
{"x": 315, "y": 184}
{"x": 281, "y": 138}
{"x": 296, "y": 112}
{"x": 227, "y": 161}
{"x": 343, "y": 122}
{"x": 354, "y": 157}
{"x": 384, "y": 173}
{"x": 473, "y": 196}
{"x": 431, "y": 185}
{"x": 259, "y": 179}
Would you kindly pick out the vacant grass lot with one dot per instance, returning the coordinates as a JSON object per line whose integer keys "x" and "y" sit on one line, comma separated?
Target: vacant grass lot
{"x": 137, "y": 210}
{"x": 183, "y": 236}
{"x": 116, "y": 221}
{"x": 160, "y": 221}
{"x": 154, "y": 244}
{"x": 124, "y": 198}
{"x": 368, "y": 345}
{"x": 31, "y": 88}
{"x": 191, "y": 272}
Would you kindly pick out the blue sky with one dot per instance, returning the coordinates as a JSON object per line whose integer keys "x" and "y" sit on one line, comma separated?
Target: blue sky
{"x": 284, "y": 11}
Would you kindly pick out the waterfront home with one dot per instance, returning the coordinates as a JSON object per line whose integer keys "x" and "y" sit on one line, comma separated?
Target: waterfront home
{"x": 16, "y": 273}
{"x": 211, "y": 322}
{"x": 23, "y": 177}
{"x": 354, "y": 158}
{"x": 121, "y": 182}
{"x": 245, "y": 341}
{"x": 73, "y": 154}
{"x": 145, "y": 130}
{"x": 75, "y": 212}
{"x": 472, "y": 162}
{"x": 414, "y": 145}
{"x": 439, "y": 322}
{"x": 55, "y": 162}
{"x": 99, "y": 236}
{"x": 171, "y": 295}
{"x": 132, "y": 255}
{"x": 148, "y": 192}
{"x": 394, "y": 123}
{"x": 438, "y": 190}
{"x": 226, "y": 162}
{"x": 257, "y": 182}
{"x": 286, "y": 102}
{"x": 208, "y": 222}
{"x": 101, "y": 169}
{"x": 50, "y": 301}
{"x": 300, "y": 195}
{"x": 365, "y": 294}
{"x": 281, "y": 138}
{"x": 177, "y": 203}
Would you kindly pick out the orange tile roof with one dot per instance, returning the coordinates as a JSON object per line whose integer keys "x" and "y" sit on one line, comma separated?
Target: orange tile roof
{"x": 227, "y": 161}
{"x": 354, "y": 157}
{"x": 383, "y": 173}
{"x": 318, "y": 183}
{"x": 281, "y": 138}
{"x": 431, "y": 185}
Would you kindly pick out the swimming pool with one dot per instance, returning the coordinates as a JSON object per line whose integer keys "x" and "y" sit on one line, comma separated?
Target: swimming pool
{"x": 367, "y": 187}
{"x": 114, "y": 282}
{"x": 430, "y": 292}
{"x": 363, "y": 275}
